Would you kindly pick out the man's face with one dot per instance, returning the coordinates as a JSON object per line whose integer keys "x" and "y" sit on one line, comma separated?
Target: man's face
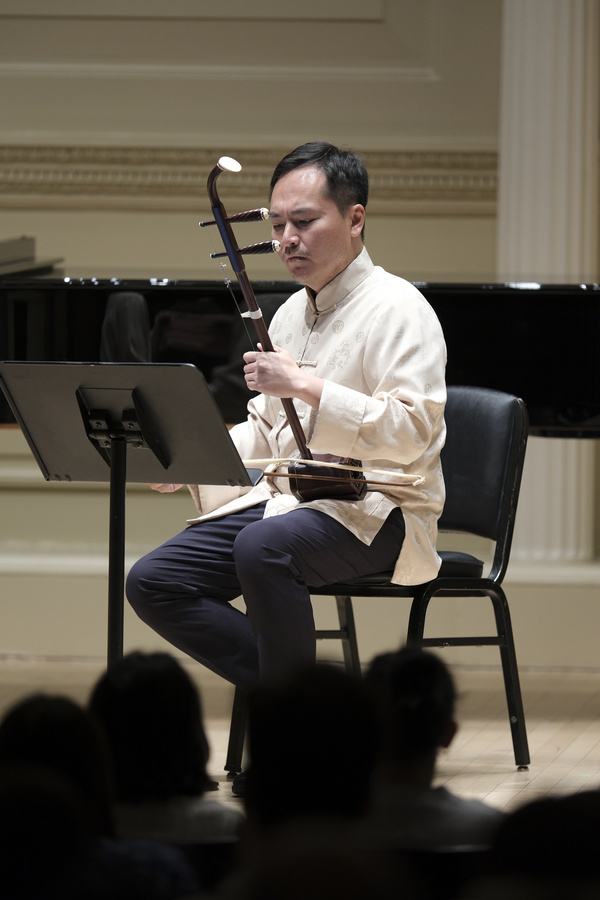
{"x": 317, "y": 241}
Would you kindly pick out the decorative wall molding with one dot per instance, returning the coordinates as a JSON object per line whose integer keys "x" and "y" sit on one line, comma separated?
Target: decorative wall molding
{"x": 272, "y": 10}
{"x": 136, "y": 178}
{"x": 210, "y": 73}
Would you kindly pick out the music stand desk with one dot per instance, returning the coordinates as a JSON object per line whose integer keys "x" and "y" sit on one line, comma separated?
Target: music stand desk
{"x": 119, "y": 423}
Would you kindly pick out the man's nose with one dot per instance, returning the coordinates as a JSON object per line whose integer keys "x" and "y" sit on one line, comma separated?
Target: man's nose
{"x": 289, "y": 238}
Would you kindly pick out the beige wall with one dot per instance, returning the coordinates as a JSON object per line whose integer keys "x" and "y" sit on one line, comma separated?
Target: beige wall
{"x": 110, "y": 124}
{"x": 384, "y": 74}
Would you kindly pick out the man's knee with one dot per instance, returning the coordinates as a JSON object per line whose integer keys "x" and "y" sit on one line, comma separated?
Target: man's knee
{"x": 133, "y": 585}
{"x": 262, "y": 547}
{"x": 142, "y": 585}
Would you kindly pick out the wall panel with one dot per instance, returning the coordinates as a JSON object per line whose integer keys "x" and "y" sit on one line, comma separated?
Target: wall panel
{"x": 386, "y": 75}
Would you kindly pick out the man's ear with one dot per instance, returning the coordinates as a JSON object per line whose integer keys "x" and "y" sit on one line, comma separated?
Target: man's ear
{"x": 357, "y": 219}
{"x": 449, "y": 734}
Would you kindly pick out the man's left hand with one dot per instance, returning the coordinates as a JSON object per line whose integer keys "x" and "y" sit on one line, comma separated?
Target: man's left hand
{"x": 277, "y": 375}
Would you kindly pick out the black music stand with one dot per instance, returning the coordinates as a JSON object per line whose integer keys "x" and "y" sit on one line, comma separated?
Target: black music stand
{"x": 120, "y": 422}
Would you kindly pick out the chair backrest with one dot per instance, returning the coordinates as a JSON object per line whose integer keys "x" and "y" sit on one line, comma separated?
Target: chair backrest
{"x": 483, "y": 462}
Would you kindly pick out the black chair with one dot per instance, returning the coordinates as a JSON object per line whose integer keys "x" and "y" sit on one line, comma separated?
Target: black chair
{"x": 483, "y": 462}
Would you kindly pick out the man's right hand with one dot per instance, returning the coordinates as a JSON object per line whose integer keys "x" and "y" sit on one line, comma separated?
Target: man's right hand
{"x": 166, "y": 488}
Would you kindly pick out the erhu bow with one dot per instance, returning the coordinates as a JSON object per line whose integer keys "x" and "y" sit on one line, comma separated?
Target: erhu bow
{"x": 308, "y": 480}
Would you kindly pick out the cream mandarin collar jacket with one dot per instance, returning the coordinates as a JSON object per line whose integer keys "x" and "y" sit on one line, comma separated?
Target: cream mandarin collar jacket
{"x": 379, "y": 347}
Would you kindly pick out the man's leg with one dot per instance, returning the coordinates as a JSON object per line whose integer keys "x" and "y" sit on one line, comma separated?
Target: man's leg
{"x": 276, "y": 558}
{"x": 183, "y": 591}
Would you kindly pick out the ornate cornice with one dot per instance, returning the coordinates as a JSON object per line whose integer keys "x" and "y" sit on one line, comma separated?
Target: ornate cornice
{"x": 402, "y": 182}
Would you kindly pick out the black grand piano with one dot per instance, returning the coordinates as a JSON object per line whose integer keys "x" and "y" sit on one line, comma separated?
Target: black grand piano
{"x": 539, "y": 341}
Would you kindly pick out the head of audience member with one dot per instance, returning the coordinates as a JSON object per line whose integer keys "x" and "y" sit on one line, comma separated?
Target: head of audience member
{"x": 57, "y": 733}
{"x": 45, "y": 833}
{"x": 150, "y": 711}
{"x": 414, "y": 694}
{"x": 547, "y": 848}
{"x": 312, "y": 741}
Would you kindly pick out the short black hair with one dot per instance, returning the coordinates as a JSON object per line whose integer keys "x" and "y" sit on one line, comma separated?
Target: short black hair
{"x": 416, "y": 697}
{"x": 347, "y": 177}
{"x": 151, "y": 713}
{"x": 316, "y": 713}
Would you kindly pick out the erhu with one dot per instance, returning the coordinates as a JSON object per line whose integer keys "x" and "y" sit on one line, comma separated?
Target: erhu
{"x": 309, "y": 478}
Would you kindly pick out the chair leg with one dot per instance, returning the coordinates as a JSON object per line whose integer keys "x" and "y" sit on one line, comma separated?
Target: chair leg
{"x": 512, "y": 684}
{"x": 416, "y": 619}
{"x": 508, "y": 659}
{"x": 349, "y": 641}
{"x": 237, "y": 733}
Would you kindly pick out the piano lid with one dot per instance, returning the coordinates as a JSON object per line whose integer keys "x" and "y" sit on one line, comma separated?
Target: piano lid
{"x": 538, "y": 341}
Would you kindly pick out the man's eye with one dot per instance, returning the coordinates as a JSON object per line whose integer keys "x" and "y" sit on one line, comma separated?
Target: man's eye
{"x": 303, "y": 222}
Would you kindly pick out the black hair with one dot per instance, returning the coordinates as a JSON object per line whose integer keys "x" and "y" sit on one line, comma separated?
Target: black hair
{"x": 347, "y": 177}
{"x": 151, "y": 712}
{"x": 318, "y": 723}
{"x": 416, "y": 696}
{"x": 551, "y": 841}
{"x": 59, "y": 734}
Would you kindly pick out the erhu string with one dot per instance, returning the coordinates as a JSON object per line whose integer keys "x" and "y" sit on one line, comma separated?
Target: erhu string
{"x": 251, "y": 343}
{"x": 222, "y": 265}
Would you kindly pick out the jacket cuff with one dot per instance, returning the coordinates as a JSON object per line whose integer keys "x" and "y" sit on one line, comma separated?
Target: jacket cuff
{"x": 340, "y": 414}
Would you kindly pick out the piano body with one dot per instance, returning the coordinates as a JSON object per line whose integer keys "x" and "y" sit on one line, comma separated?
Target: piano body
{"x": 539, "y": 341}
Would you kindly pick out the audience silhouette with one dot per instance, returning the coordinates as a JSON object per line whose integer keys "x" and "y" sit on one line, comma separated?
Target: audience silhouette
{"x": 546, "y": 849}
{"x": 56, "y": 732}
{"x": 150, "y": 711}
{"x": 312, "y": 741}
{"x": 340, "y": 797}
{"x": 46, "y": 835}
{"x": 414, "y": 694}
{"x": 312, "y": 745}
{"x": 56, "y": 735}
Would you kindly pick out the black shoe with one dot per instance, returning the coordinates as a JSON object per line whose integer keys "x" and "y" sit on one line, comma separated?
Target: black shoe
{"x": 238, "y": 785}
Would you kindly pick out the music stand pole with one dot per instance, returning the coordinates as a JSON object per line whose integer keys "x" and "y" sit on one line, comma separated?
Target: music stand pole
{"x": 116, "y": 548}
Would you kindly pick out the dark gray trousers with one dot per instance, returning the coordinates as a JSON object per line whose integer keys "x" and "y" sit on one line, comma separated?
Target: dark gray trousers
{"x": 183, "y": 588}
